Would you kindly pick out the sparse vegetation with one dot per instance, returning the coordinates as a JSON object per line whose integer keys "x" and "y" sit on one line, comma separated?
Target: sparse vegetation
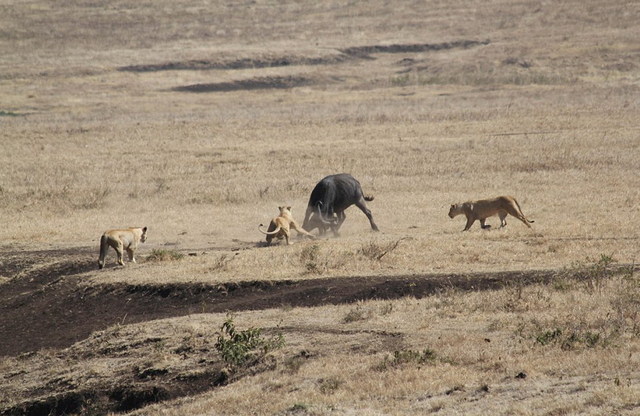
{"x": 318, "y": 261}
{"x": 356, "y": 314}
{"x": 197, "y": 121}
{"x": 158, "y": 255}
{"x": 329, "y": 385}
{"x": 407, "y": 358}
{"x": 242, "y": 348}
{"x": 221, "y": 263}
{"x": 376, "y": 251}
{"x": 570, "y": 339}
{"x": 591, "y": 274}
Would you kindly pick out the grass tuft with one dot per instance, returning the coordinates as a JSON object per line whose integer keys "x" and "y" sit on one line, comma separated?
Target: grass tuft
{"x": 404, "y": 358}
{"x": 160, "y": 255}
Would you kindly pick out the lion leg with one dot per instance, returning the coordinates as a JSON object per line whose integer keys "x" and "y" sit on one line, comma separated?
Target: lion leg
{"x": 104, "y": 248}
{"x": 132, "y": 257}
{"x": 519, "y": 215}
{"x": 120, "y": 253}
{"x": 503, "y": 218}
{"x": 483, "y": 225}
{"x": 470, "y": 222}
{"x": 301, "y": 230}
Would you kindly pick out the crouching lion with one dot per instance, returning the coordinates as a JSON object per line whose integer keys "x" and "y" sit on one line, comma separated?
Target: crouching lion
{"x": 281, "y": 226}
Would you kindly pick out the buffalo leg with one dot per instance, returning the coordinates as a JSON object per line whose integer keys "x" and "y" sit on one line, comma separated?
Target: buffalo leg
{"x": 363, "y": 207}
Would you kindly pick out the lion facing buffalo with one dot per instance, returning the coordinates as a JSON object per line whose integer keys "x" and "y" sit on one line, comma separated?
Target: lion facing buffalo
{"x": 329, "y": 199}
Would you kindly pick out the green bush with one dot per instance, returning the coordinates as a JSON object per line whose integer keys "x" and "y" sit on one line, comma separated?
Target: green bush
{"x": 240, "y": 348}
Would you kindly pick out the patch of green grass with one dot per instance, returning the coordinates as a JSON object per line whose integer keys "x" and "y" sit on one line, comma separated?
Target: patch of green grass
{"x": 572, "y": 339}
{"x": 241, "y": 348}
{"x": 548, "y": 337}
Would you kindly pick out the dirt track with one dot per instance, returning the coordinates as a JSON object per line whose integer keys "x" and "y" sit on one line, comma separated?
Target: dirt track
{"x": 47, "y": 308}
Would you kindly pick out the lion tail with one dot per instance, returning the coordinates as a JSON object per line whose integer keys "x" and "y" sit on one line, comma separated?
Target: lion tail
{"x": 368, "y": 197}
{"x": 274, "y": 232}
{"x": 104, "y": 247}
{"x": 520, "y": 211}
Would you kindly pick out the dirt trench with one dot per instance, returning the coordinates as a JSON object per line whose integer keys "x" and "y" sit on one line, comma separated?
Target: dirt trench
{"x": 46, "y": 307}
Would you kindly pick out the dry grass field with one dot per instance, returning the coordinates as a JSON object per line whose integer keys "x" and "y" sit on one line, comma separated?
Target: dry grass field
{"x": 199, "y": 118}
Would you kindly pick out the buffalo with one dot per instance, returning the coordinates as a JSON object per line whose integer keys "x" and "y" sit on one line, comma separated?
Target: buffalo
{"x": 330, "y": 198}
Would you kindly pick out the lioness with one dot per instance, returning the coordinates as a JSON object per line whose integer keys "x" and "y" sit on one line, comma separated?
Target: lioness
{"x": 485, "y": 208}
{"x": 126, "y": 238}
{"x": 280, "y": 227}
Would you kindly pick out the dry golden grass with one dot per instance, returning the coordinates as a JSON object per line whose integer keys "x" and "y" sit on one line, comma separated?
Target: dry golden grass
{"x": 566, "y": 347}
{"x": 547, "y": 110}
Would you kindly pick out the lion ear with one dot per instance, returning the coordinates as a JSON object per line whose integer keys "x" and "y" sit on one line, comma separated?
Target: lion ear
{"x": 280, "y": 208}
{"x": 289, "y": 208}
{"x": 144, "y": 229}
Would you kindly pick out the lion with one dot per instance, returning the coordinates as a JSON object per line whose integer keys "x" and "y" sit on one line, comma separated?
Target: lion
{"x": 121, "y": 239}
{"x": 281, "y": 226}
{"x": 485, "y": 208}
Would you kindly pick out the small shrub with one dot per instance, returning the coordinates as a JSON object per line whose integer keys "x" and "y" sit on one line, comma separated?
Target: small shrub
{"x": 591, "y": 274}
{"x": 572, "y": 339}
{"x": 309, "y": 258}
{"x": 376, "y": 251}
{"x": 386, "y": 309}
{"x": 158, "y": 255}
{"x": 547, "y": 337}
{"x": 298, "y": 408}
{"x": 161, "y": 185}
{"x": 400, "y": 80}
{"x": 329, "y": 385}
{"x": 316, "y": 262}
{"x": 95, "y": 198}
{"x": 221, "y": 263}
{"x": 293, "y": 364}
{"x": 407, "y": 357}
{"x": 626, "y": 303}
{"x": 356, "y": 314}
{"x": 239, "y": 348}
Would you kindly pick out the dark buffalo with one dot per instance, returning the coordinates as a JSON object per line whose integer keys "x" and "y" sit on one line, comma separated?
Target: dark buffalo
{"x": 330, "y": 198}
